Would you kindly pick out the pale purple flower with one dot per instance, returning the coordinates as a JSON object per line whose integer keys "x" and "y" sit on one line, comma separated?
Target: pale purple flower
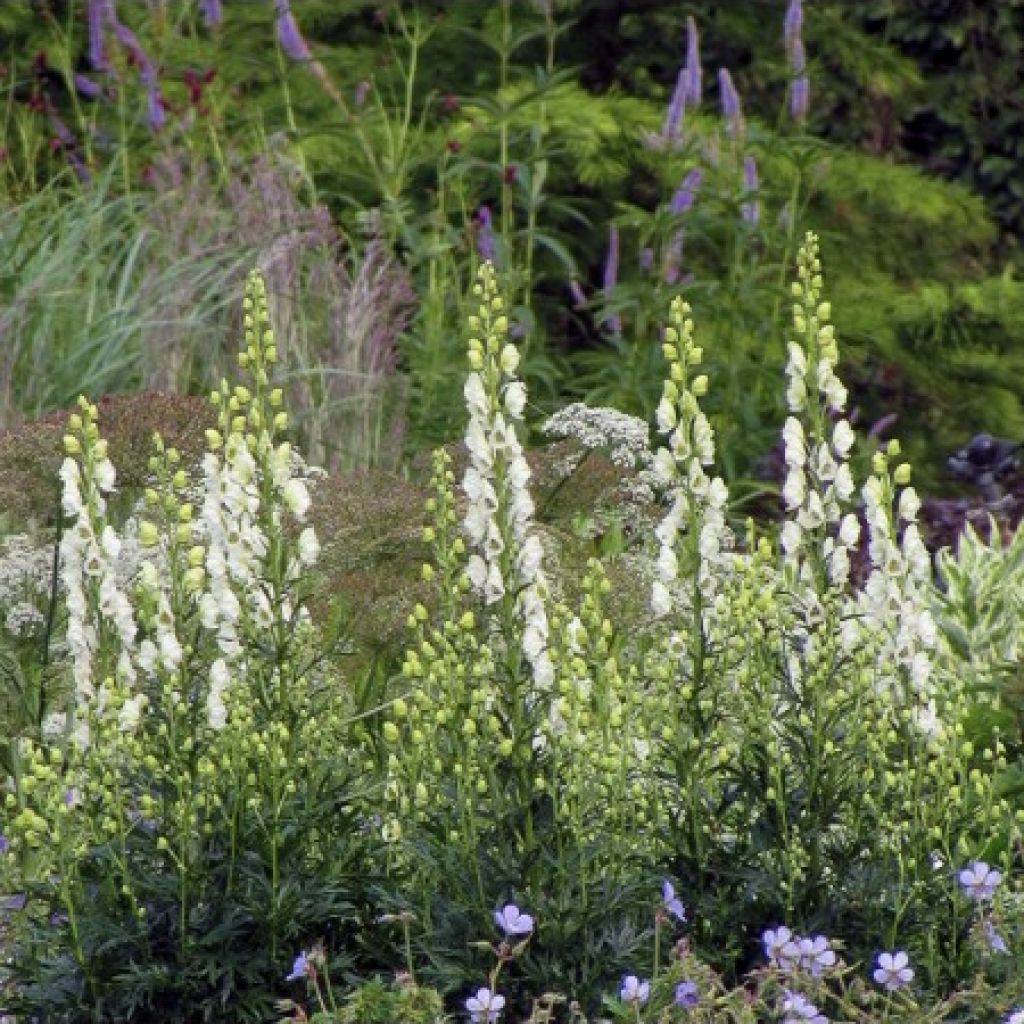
{"x": 672, "y": 904}
{"x": 687, "y": 995}
{"x": 685, "y": 195}
{"x": 799, "y": 1009}
{"x": 750, "y": 211}
{"x": 212, "y": 14}
{"x": 995, "y": 941}
{"x": 693, "y": 71}
{"x": 646, "y": 258}
{"x": 732, "y": 109}
{"x": 485, "y": 234}
{"x": 780, "y": 947}
{"x": 579, "y": 299}
{"x": 512, "y": 921}
{"x": 893, "y": 970}
{"x": 1015, "y": 1017}
{"x": 980, "y": 881}
{"x": 800, "y": 98}
{"x": 300, "y": 969}
{"x": 288, "y": 34}
{"x": 794, "y": 23}
{"x": 634, "y": 990}
{"x": 485, "y": 1006}
{"x": 5, "y": 844}
{"x": 611, "y": 275}
{"x": 157, "y": 115}
{"x": 816, "y": 955}
{"x": 672, "y": 262}
{"x": 361, "y": 93}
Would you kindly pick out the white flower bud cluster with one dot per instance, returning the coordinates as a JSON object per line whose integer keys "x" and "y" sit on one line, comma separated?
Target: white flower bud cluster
{"x": 697, "y": 503}
{"x": 506, "y": 553}
{"x": 818, "y": 485}
{"x": 626, "y": 438}
{"x": 894, "y": 603}
{"x": 25, "y": 572}
{"x": 89, "y": 551}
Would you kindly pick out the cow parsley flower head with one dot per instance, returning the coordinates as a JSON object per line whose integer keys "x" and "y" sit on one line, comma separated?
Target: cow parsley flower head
{"x": 979, "y": 881}
{"x": 512, "y": 921}
{"x": 634, "y": 990}
{"x": 485, "y": 1006}
{"x": 893, "y": 971}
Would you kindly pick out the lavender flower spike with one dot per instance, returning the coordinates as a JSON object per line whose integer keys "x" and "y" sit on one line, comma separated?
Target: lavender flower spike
{"x": 693, "y": 70}
{"x": 732, "y": 110}
{"x": 99, "y": 12}
{"x": 750, "y": 211}
{"x": 794, "y": 23}
{"x": 288, "y": 34}
{"x": 485, "y": 234}
{"x": 672, "y": 129}
{"x": 611, "y": 275}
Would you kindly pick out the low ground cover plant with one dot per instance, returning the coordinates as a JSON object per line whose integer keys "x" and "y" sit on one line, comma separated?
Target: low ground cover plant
{"x": 774, "y": 797}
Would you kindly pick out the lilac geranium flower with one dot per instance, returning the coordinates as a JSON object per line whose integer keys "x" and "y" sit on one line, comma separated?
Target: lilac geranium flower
{"x": 1016, "y": 1017}
{"x": 780, "y": 947}
{"x": 672, "y": 904}
{"x": 799, "y": 1009}
{"x": 512, "y": 921}
{"x": 212, "y": 14}
{"x": 980, "y": 881}
{"x": 634, "y": 990}
{"x": 893, "y": 970}
{"x": 687, "y": 995}
{"x": 485, "y": 1006}
{"x": 300, "y": 969}
{"x": 816, "y": 955}
{"x": 5, "y": 844}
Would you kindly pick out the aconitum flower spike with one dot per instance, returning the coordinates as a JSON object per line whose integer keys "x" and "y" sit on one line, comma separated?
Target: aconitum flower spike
{"x": 288, "y": 34}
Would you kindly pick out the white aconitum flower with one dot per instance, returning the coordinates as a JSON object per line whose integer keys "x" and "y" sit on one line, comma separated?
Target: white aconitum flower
{"x": 478, "y": 445}
{"x": 794, "y": 442}
{"x": 918, "y": 559}
{"x": 668, "y": 563}
{"x": 54, "y": 726}
{"x": 147, "y": 656}
{"x": 844, "y": 482}
{"x": 130, "y": 714}
{"x": 170, "y": 651}
{"x": 849, "y": 530}
{"x": 796, "y": 394}
{"x": 926, "y": 718}
{"x": 797, "y": 365}
{"x": 509, "y": 358}
{"x": 703, "y": 439}
{"x": 839, "y": 566}
{"x": 832, "y": 388}
{"x": 296, "y": 497}
{"x": 791, "y": 538}
{"x": 794, "y": 490}
{"x": 664, "y": 466}
{"x": 476, "y": 570}
{"x": 531, "y": 556}
{"x": 476, "y": 395}
{"x": 515, "y": 400}
{"x": 494, "y": 587}
{"x": 309, "y": 546}
{"x": 824, "y": 465}
{"x": 105, "y": 475}
{"x": 518, "y": 472}
{"x": 718, "y": 493}
{"x": 110, "y": 543}
{"x": 843, "y": 438}
{"x": 666, "y": 415}
{"x": 478, "y": 519}
{"x": 478, "y": 489}
{"x": 909, "y": 505}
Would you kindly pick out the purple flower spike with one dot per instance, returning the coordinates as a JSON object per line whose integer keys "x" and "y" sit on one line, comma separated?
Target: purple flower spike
{"x": 693, "y": 71}
{"x": 893, "y": 971}
{"x": 687, "y": 995}
{"x": 288, "y": 34}
{"x": 212, "y": 13}
{"x": 98, "y": 14}
{"x": 634, "y": 990}
{"x": 672, "y": 904}
{"x": 512, "y": 921}
{"x": 685, "y": 195}
{"x": 980, "y": 882}
{"x": 794, "y": 23}
{"x": 157, "y": 115}
{"x": 300, "y": 969}
{"x": 87, "y": 87}
{"x": 800, "y": 98}
{"x": 672, "y": 129}
{"x": 579, "y": 298}
{"x": 732, "y": 110}
{"x": 611, "y": 274}
{"x": 751, "y": 209}
{"x": 673, "y": 259}
{"x": 485, "y": 234}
